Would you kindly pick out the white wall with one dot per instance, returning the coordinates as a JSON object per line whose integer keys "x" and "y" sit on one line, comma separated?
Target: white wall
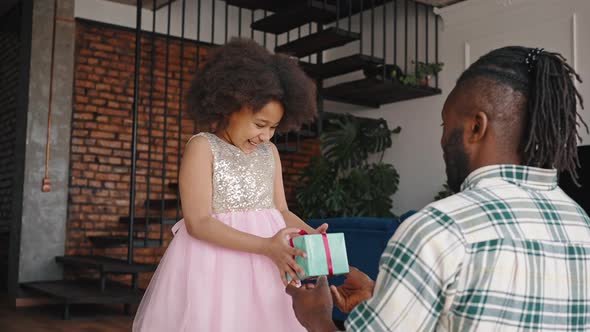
{"x": 415, "y": 152}
{"x": 469, "y": 30}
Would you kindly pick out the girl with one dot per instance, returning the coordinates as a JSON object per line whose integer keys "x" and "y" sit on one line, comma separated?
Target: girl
{"x": 224, "y": 267}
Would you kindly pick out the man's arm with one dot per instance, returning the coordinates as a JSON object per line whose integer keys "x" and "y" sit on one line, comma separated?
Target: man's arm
{"x": 417, "y": 270}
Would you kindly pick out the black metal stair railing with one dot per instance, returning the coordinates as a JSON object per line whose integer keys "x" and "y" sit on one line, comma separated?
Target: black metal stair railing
{"x": 329, "y": 25}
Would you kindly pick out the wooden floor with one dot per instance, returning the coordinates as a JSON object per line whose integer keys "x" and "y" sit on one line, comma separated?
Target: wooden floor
{"x": 47, "y": 318}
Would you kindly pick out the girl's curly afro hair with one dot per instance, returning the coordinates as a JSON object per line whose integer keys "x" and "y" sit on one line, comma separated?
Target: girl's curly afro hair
{"x": 244, "y": 74}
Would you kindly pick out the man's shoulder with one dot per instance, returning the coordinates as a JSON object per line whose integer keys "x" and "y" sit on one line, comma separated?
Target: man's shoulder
{"x": 458, "y": 206}
{"x": 452, "y": 213}
{"x": 435, "y": 217}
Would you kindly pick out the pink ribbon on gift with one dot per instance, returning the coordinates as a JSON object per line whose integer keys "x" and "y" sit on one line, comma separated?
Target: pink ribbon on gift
{"x": 326, "y": 248}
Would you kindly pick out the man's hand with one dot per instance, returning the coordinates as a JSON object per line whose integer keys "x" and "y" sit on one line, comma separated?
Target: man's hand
{"x": 357, "y": 287}
{"x": 313, "y": 305}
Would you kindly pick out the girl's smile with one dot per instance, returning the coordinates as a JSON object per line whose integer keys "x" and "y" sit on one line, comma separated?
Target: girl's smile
{"x": 246, "y": 129}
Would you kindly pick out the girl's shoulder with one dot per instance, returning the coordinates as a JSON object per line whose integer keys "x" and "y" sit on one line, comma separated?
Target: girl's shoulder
{"x": 202, "y": 136}
{"x": 199, "y": 144}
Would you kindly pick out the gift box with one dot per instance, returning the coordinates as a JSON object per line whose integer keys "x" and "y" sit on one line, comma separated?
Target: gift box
{"x": 326, "y": 254}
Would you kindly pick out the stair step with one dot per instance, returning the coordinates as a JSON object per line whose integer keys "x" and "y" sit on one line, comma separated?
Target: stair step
{"x": 317, "y": 42}
{"x": 111, "y": 241}
{"x": 86, "y": 291}
{"x": 303, "y": 12}
{"x": 340, "y": 66}
{"x": 105, "y": 264}
{"x": 374, "y": 92}
{"x": 293, "y": 17}
{"x": 271, "y": 5}
{"x": 156, "y": 203}
{"x": 142, "y": 221}
{"x": 288, "y": 16}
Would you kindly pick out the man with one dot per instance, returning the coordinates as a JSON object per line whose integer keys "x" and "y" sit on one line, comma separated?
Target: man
{"x": 510, "y": 251}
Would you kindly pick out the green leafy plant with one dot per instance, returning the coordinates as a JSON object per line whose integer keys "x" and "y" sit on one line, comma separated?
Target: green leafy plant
{"x": 424, "y": 69}
{"x": 423, "y": 72}
{"x": 410, "y": 80}
{"x": 342, "y": 182}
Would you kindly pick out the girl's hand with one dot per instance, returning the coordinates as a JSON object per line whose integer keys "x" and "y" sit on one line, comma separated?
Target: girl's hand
{"x": 321, "y": 229}
{"x": 278, "y": 249}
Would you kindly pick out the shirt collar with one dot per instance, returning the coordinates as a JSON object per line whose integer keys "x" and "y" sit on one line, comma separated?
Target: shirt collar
{"x": 523, "y": 176}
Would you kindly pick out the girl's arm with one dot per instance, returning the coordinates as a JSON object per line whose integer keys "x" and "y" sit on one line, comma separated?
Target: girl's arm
{"x": 291, "y": 220}
{"x": 196, "y": 192}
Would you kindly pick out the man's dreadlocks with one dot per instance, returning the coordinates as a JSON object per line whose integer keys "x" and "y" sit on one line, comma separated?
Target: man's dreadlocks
{"x": 547, "y": 82}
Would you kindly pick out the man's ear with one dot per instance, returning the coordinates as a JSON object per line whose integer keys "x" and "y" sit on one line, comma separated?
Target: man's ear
{"x": 478, "y": 127}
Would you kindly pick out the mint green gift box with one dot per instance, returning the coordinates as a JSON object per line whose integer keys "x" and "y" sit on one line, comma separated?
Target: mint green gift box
{"x": 316, "y": 262}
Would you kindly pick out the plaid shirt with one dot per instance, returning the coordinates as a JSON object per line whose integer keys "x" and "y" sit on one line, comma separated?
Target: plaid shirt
{"x": 511, "y": 252}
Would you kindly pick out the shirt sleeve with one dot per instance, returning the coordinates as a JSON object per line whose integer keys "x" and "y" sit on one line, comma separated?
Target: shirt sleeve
{"x": 417, "y": 273}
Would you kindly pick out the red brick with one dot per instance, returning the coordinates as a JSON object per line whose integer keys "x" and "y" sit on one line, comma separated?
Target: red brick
{"x": 84, "y": 84}
{"x": 102, "y": 134}
{"x": 95, "y": 184}
{"x": 100, "y": 151}
{"x": 98, "y": 101}
{"x": 81, "y": 99}
{"x": 79, "y": 133}
{"x": 107, "y": 177}
{"x": 101, "y": 47}
{"x": 114, "y": 112}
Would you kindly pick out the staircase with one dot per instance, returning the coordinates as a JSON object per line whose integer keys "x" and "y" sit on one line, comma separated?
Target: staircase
{"x": 102, "y": 290}
{"x": 292, "y": 14}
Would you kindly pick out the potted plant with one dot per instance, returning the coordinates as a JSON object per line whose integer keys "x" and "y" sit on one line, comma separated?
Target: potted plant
{"x": 392, "y": 72}
{"x": 425, "y": 71}
{"x": 342, "y": 181}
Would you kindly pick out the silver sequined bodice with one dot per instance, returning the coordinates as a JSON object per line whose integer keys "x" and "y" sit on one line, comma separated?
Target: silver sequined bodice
{"x": 241, "y": 181}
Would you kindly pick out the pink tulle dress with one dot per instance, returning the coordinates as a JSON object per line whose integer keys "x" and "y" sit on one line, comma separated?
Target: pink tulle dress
{"x": 203, "y": 287}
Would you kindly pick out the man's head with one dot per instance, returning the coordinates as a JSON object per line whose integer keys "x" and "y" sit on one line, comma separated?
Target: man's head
{"x": 514, "y": 105}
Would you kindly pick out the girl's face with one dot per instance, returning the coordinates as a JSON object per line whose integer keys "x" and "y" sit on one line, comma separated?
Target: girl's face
{"x": 246, "y": 129}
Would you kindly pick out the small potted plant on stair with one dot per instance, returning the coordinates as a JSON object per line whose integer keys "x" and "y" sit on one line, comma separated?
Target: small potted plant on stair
{"x": 425, "y": 71}
{"x": 422, "y": 75}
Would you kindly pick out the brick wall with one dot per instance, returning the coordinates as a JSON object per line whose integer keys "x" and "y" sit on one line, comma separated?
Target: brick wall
{"x": 100, "y": 165}
{"x": 293, "y": 163}
{"x": 9, "y": 72}
{"x": 102, "y": 132}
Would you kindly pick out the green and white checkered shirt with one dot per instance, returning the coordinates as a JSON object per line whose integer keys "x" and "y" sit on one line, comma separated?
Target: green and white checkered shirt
{"x": 511, "y": 252}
